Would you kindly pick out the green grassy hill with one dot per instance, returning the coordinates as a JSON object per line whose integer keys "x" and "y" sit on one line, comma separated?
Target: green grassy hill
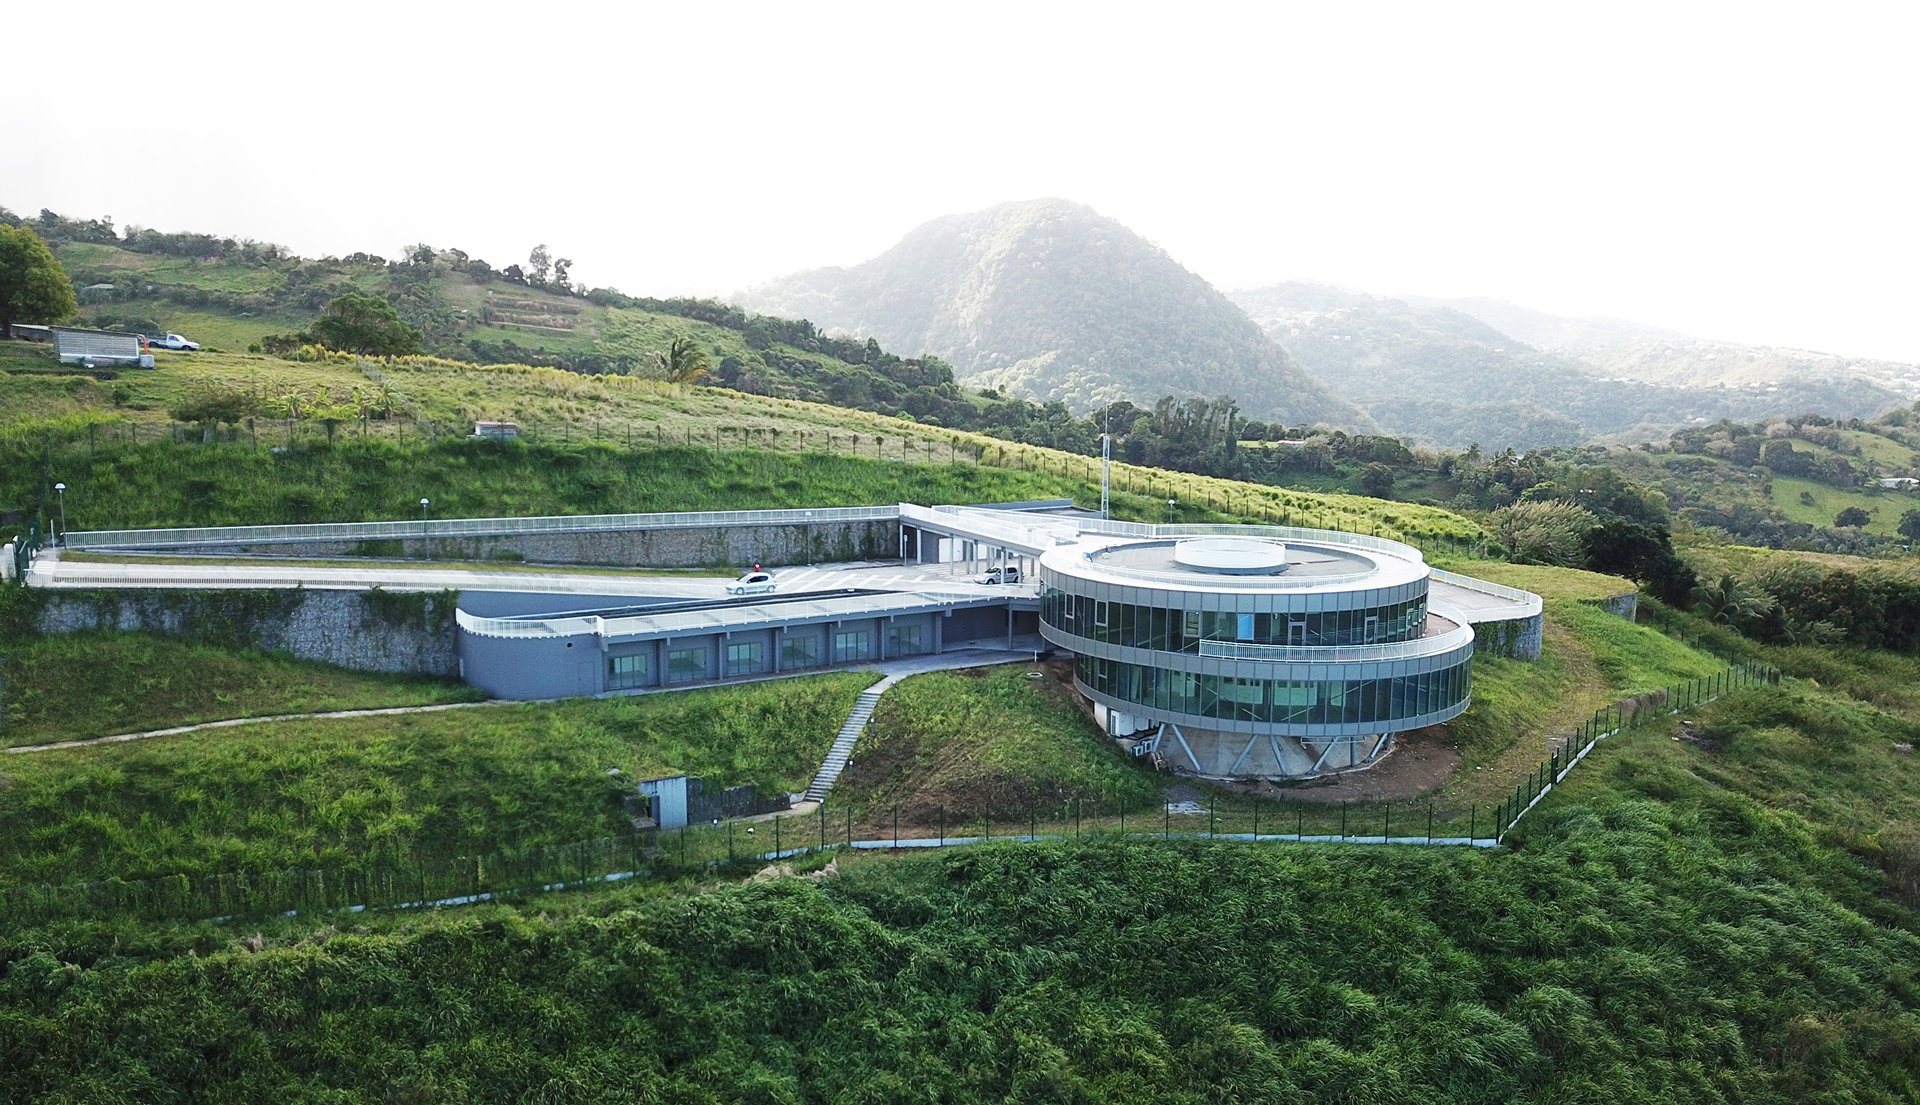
{"x": 592, "y": 444}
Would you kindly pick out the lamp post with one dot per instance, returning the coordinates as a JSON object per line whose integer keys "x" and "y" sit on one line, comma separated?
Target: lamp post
{"x": 60, "y": 490}
{"x": 423, "y": 509}
{"x": 1169, "y": 511}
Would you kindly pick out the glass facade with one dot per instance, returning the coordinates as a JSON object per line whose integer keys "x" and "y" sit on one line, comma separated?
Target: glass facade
{"x": 685, "y": 664}
{"x": 1174, "y": 630}
{"x": 852, "y": 645}
{"x": 626, "y": 671}
{"x": 799, "y": 652}
{"x": 1279, "y": 702}
{"x": 746, "y": 658}
{"x": 903, "y": 640}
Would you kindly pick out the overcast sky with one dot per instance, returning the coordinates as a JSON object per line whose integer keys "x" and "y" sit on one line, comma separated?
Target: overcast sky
{"x": 1735, "y": 171}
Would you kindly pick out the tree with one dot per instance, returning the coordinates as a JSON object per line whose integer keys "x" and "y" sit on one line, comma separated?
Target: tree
{"x": 539, "y": 263}
{"x": 1851, "y": 517}
{"x": 1552, "y": 532}
{"x": 1910, "y": 525}
{"x": 367, "y": 325}
{"x": 1376, "y": 480}
{"x": 683, "y": 362}
{"x": 1731, "y": 602}
{"x": 33, "y": 286}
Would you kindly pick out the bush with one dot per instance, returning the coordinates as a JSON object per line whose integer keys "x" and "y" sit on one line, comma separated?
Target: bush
{"x": 1552, "y": 532}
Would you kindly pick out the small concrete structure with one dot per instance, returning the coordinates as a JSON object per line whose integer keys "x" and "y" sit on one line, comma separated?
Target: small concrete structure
{"x": 100, "y": 347}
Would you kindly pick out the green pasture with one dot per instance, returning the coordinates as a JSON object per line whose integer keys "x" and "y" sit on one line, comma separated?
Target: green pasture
{"x": 1828, "y": 502}
{"x": 400, "y": 788}
{"x": 100, "y": 684}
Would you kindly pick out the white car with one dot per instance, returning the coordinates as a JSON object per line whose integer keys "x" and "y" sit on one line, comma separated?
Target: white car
{"x": 993, "y": 576}
{"x": 175, "y": 341}
{"x": 753, "y": 583}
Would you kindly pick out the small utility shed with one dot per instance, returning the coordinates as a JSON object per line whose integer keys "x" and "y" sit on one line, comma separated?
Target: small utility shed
{"x": 99, "y": 347}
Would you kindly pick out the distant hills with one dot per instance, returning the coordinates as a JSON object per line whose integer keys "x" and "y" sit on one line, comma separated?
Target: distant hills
{"x": 1636, "y": 351}
{"x": 1451, "y": 373}
{"x": 1051, "y": 300}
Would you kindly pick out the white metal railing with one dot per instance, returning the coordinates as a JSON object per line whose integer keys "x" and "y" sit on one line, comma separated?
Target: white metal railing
{"x": 1531, "y": 603}
{"x": 1008, "y": 530}
{"x": 1295, "y": 533}
{"x": 1271, "y": 583}
{"x": 1460, "y": 635}
{"x": 468, "y": 527}
{"x": 724, "y": 619}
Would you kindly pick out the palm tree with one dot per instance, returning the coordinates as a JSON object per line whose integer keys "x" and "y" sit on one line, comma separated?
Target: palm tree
{"x": 1731, "y": 602}
{"x": 683, "y": 362}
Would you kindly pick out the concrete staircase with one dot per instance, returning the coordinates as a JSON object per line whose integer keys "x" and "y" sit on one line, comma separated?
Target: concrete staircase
{"x": 842, "y": 749}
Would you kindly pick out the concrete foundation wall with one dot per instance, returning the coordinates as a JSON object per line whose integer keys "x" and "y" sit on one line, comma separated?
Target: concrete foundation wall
{"x": 407, "y": 634}
{"x": 1518, "y": 639}
{"x": 690, "y": 547}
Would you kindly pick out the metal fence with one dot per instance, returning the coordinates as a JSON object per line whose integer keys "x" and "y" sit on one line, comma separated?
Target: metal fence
{"x": 698, "y": 849}
{"x": 469, "y": 527}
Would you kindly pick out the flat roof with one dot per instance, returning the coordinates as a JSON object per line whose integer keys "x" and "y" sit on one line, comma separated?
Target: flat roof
{"x": 697, "y": 619}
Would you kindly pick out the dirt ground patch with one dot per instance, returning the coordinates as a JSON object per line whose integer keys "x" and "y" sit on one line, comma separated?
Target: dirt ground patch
{"x": 1422, "y": 759}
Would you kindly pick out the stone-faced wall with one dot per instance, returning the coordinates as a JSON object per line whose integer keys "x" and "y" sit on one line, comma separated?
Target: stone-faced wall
{"x": 382, "y": 631}
{"x": 1518, "y": 639}
{"x": 660, "y": 547}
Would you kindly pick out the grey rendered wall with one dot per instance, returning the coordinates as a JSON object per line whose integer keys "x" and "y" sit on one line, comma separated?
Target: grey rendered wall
{"x": 732, "y": 546}
{"x": 400, "y": 633}
{"x": 533, "y": 667}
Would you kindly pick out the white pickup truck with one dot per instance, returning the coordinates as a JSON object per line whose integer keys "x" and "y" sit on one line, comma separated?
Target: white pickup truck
{"x": 174, "y": 341}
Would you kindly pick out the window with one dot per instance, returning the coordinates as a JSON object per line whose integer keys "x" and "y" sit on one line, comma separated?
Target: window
{"x": 800, "y": 652}
{"x": 746, "y": 657}
{"x": 851, "y": 645}
{"x": 626, "y": 671}
{"x": 1244, "y": 628}
{"x": 684, "y": 664}
{"x": 903, "y": 640}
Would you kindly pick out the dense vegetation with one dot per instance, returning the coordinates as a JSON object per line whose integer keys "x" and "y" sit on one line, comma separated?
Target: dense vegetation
{"x": 99, "y": 684}
{"x": 1637, "y": 952}
{"x": 400, "y": 788}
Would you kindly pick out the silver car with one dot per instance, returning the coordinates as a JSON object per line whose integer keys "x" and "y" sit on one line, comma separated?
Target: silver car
{"x": 753, "y": 583}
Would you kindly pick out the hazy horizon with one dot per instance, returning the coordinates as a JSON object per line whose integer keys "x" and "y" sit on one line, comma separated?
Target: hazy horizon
{"x": 1734, "y": 173}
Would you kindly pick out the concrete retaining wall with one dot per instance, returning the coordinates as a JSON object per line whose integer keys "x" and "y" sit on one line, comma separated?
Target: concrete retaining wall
{"x": 1518, "y": 639}
{"x": 364, "y": 631}
{"x": 1622, "y": 606}
{"x": 663, "y": 547}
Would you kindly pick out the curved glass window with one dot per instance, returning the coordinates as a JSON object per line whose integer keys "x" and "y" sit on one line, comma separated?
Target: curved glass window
{"x": 1279, "y": 702}
{"x": 1172, "y": 630}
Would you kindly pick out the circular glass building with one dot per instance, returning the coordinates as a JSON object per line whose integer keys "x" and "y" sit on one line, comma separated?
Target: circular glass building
{"x": 1235, "y": 654}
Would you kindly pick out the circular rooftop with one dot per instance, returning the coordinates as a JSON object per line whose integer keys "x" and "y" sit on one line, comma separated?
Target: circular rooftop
{"x": 1258, "y": 560}
{"x": 1231, "y": 556}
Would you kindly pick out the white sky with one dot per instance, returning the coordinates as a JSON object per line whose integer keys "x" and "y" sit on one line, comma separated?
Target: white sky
{"x": 1737, "y": 171}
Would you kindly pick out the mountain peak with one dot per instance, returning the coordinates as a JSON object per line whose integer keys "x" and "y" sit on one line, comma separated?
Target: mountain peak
{"x": 1050, "y": 299}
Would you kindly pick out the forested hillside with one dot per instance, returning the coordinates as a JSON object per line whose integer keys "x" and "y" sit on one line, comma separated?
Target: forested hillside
{"x": 1052, "y": 300}
{"x": 1443, "y": 376}
{"x": 1649, "y": 354}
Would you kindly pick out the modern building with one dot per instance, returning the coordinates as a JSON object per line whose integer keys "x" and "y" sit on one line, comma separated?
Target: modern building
{"x": 1227, "y": 651}
{"x": 1242, "y": 654}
